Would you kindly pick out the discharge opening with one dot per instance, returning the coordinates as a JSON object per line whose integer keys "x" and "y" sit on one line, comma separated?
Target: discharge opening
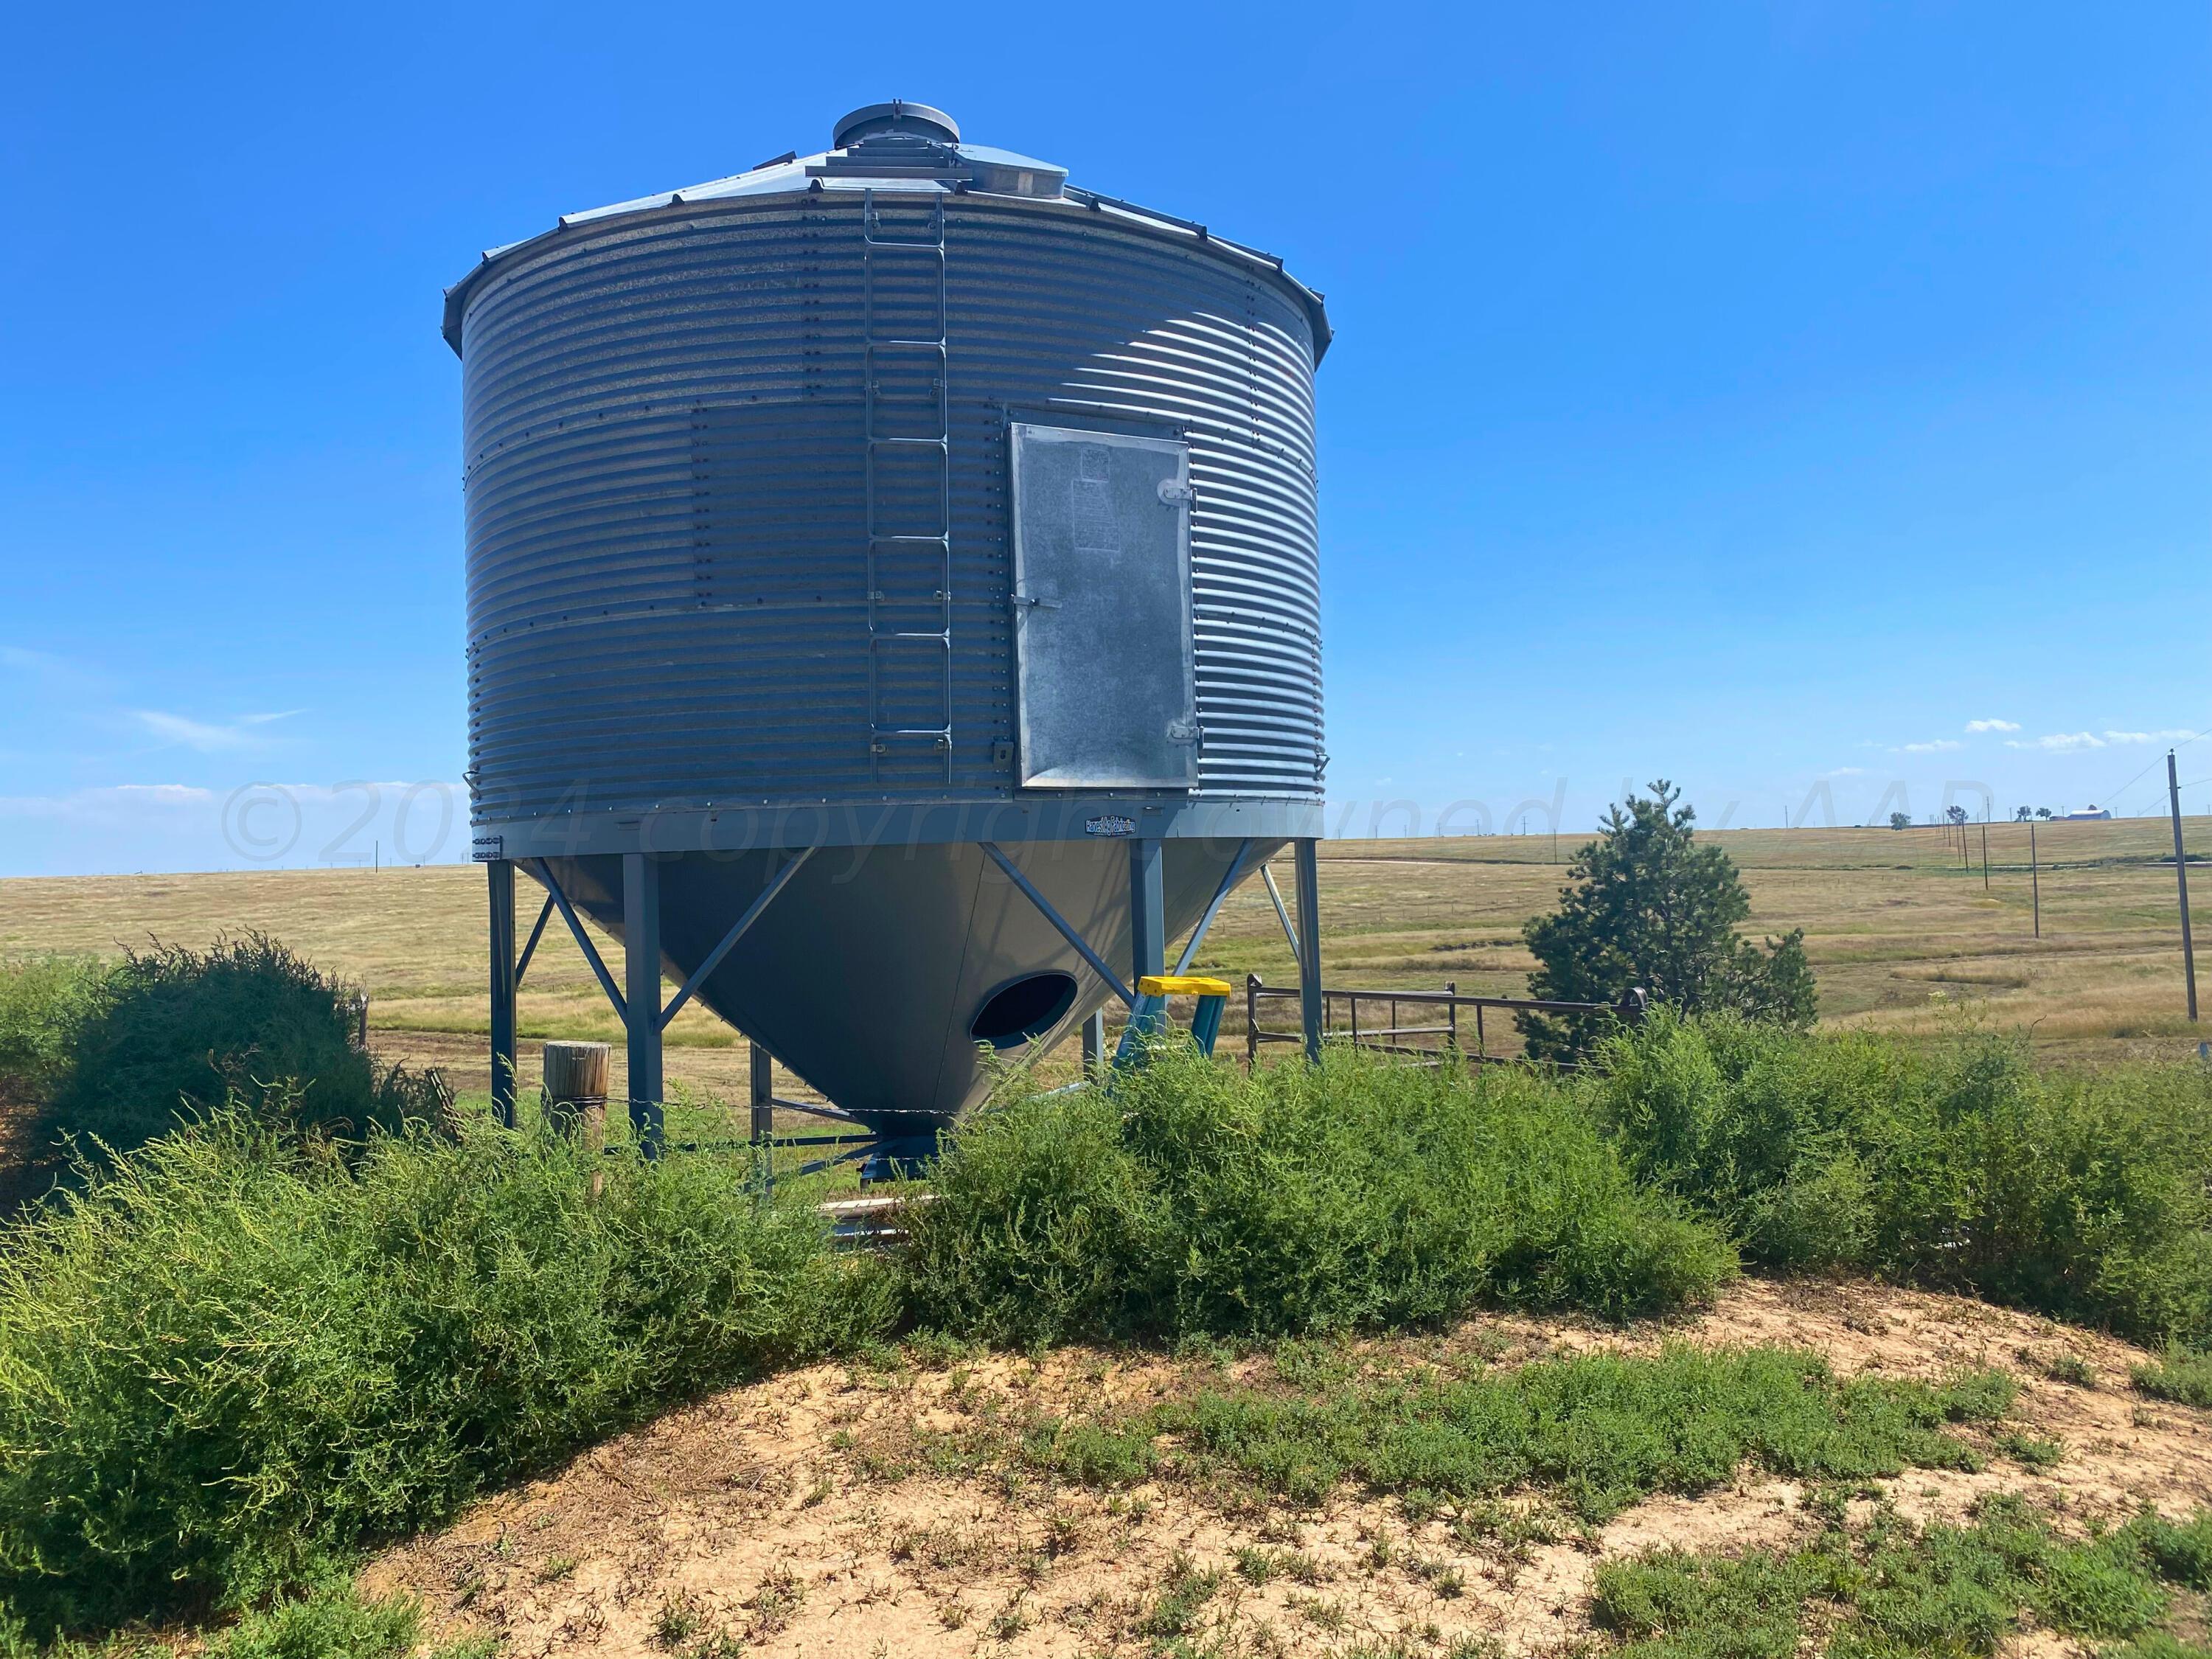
{"x": 1025, "y": 1008}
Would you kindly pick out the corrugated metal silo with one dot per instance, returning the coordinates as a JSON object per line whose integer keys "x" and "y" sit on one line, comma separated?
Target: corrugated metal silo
{"x": 890, "y": 503}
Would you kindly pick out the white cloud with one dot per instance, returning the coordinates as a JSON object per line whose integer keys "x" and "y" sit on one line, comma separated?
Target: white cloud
{"x": 108, "y": 805}
{"x": 209, "y": 739}
{"x": 1844, "y": 772}
{"x": 1992, "y": 726}
{"x": 2148, "y": 737}
{"x": 1936, "y": 746}
{"x": 178, "y": 826}
{"x": 158, "y": 795}
{"x": 2059, "y": 742}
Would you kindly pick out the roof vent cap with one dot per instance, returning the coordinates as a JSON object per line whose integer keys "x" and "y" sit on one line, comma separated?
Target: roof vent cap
{"x": 908, "y": 120}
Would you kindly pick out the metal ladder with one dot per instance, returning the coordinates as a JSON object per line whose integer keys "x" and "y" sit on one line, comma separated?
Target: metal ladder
{"x": 892, "y": 616}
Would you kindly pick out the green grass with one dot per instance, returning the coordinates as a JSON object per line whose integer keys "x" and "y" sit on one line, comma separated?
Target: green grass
{"x": 332, "y": 1620}
{"x": 1594, "y": 1433}
{"x": 1962, "y": 1167}
{"x": 1357, "y": 1195}
{"x": 2180, "y": 1375}
{"x": 2159, "y": 1644}
{"x": 339, "y": 1623}
{"x": 1182, "y": 1597}
{"x": 234, "y": 1359}
{"x": 1892, "y": 1590}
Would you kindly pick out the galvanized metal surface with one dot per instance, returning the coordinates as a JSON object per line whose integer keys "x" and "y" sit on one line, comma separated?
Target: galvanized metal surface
{"x": 864, "y": 976}
{"x": 741, "y": 579}
{"x": 670, "y": 500}
{"x": 1106, "y": 676}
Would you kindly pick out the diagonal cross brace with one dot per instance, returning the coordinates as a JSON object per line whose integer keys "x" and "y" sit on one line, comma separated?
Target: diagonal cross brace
{"x": 1044, "y": 909}
{"x": 522, "y": 966}
{"x": 1282, "y": 913}
{"x": 1228, "y": 880}
{"x": 583, "y": 940}
{"x": 776, "y": 883}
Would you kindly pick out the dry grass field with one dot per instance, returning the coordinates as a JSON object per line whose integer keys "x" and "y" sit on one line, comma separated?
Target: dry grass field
{"x": 1901, "y": 936}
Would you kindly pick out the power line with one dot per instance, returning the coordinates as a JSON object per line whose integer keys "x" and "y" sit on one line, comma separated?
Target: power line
{"x": 2114, "y": 796}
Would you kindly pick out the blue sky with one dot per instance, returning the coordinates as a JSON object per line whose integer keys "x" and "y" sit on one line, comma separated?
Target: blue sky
{"x": 1761, "y": 395}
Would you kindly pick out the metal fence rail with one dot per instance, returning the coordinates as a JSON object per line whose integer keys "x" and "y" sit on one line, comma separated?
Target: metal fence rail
{"x": 1391, "y": 1038}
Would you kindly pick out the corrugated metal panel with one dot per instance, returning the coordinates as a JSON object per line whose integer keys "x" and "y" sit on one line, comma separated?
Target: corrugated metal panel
{"x": 667, "y": 588}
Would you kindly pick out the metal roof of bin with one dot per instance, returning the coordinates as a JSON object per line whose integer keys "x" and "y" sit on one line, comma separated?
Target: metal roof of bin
{"x": 895, "y": 146}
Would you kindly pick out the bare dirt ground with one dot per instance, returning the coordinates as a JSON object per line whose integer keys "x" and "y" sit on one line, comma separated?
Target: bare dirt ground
{"x": 758, "y": 1520}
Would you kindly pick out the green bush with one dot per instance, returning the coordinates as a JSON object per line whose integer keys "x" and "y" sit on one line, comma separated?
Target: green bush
{"x": 1960, "y": 1167}
{"x": 175, "y": 1032}
{"x": 232, "y": 1358}
{"x": 1356, "y": 1195}
{"x": 45, "y": 1002}
{"x": 2179, "y": 1375}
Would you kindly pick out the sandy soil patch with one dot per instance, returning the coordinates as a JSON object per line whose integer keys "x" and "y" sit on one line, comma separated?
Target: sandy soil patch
{"x": 753, "y": 1521}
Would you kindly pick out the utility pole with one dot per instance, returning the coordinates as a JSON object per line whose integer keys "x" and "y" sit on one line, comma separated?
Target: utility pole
{"x": 1985, "y": 852}
{"x": 2181, "y": 876}
{"x": 2035, "y": 876}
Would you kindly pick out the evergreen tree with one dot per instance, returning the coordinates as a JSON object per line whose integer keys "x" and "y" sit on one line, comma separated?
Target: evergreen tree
{"x": 1645, "y": 907}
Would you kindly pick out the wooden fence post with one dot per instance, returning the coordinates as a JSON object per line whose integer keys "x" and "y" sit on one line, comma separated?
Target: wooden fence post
{"x": 576, "y": 1098}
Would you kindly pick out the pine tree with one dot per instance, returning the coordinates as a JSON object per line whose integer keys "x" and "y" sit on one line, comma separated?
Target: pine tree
{"x": 1645, "y": 907}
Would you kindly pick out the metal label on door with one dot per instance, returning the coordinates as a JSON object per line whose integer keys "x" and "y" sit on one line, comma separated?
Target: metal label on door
{"x": 1102, "y": 638}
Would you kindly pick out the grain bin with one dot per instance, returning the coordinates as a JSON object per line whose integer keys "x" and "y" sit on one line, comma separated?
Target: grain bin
{"x": 893, "y": 597}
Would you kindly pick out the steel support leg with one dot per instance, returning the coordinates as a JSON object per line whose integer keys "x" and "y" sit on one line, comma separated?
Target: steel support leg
{"x": 1148, "y": 923}
{"x": 1094, "y": 1041}
{"x": 502, "y": 876}
{"x": 1310, "y": 993}
{"x": 642, "y": 995}
{"x": 763, "y": 1122}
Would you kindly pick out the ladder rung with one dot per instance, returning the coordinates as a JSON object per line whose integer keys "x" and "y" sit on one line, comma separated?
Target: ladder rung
{"x": 886, "y": 359}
